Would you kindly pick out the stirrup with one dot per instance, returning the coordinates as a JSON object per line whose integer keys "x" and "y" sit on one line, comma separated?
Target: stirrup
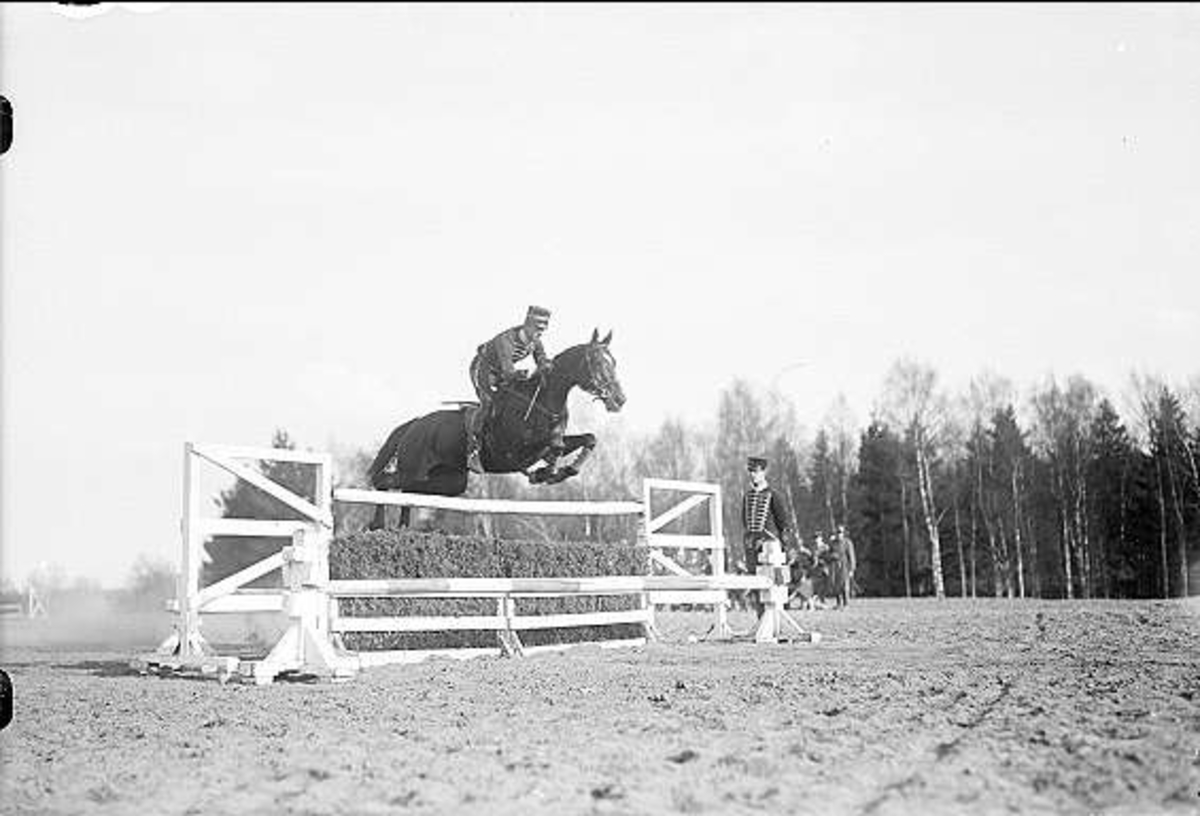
{"x": 473, "y": 462}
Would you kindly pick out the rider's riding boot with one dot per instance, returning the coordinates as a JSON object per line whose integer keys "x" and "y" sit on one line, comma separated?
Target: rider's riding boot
{"x": 473, "y": 462}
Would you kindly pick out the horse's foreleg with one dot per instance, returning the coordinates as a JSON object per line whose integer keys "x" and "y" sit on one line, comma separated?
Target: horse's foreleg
{"x": 548, "y": 473}
{"x": 585, "y": 444}
{"x": 552, "y": 473}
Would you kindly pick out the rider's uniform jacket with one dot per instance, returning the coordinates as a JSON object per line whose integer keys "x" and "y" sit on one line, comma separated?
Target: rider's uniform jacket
{"x": 501, "y": 352}
{"x": 759, "y": 506}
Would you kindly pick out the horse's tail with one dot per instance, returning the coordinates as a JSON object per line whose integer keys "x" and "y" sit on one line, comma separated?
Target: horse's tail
{"x": 386, "y": 453}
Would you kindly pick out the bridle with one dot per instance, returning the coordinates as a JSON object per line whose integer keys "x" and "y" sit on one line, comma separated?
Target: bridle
{"x": 599, "y": 386}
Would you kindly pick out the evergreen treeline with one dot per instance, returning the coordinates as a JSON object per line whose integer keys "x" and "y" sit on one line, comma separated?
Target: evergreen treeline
{"x": 1054, "y": 495}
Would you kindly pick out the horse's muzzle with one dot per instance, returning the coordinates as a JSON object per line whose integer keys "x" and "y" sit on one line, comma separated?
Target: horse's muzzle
{"x": 614, "y": 400}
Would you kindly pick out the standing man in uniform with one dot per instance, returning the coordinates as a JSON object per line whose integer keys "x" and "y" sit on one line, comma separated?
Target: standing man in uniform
{"x": 762, "y": 508}
{"x": 494, "y": 365}
{"x": 844, "y": 563}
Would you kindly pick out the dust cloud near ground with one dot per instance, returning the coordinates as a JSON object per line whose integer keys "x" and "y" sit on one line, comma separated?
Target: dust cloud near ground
{"x": 919, "y": 707}
{"x": 103, "y": 629}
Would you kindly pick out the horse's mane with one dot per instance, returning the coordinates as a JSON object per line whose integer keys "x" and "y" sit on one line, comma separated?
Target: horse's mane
{"x": 566, "y": 360}
{"x": 570, "y": 351}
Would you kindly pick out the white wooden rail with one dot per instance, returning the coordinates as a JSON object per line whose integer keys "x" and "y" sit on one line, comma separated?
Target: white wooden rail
{"x": 536, "y": 587}
{"x": 348, "y": 495}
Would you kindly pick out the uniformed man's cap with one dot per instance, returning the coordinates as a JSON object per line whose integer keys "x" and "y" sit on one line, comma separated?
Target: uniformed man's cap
{"x": 756, "y": 463}
{"x": 537, "y": 316}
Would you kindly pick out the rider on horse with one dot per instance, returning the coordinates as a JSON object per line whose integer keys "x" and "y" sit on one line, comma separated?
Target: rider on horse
{"x": 493, "y": 366}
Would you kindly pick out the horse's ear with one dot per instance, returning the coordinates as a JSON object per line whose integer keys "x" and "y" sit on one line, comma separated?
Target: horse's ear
{"x": 595, "y": 336}
{"x": 607, "y": 338}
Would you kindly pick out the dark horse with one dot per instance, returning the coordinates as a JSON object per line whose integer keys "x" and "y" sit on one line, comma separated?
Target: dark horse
{"x": 527, "y": 429}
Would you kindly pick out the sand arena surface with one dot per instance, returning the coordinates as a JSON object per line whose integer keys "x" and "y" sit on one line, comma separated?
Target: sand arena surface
{"x": 904, "y": 707}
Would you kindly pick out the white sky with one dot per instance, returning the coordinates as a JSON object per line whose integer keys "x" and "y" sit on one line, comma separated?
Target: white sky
{"x": 221, "y": 220}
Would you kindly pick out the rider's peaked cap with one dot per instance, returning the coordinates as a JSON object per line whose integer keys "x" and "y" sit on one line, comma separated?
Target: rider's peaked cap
{"x": 538, "y": 316}
{"x": 756, "y": 463}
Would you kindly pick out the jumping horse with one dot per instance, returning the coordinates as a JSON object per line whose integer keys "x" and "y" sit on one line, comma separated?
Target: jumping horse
{"x": 526, "y": 432}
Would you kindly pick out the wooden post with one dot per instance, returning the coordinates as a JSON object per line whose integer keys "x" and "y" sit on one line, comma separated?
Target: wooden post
{"x": 651, "y": 626}
{"x": 510, "y": 642}
{"x": 717, "y": 558}
{"x": 188, "y": 628}
{"x": 773, "y": 564}
{"x": 306, "y": 646}
{"x": 324, "y": 536}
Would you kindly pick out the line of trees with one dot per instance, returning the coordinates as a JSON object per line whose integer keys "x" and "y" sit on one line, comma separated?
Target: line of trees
{"x": 1055, "y": 495}
{"x": 983, "y": 493}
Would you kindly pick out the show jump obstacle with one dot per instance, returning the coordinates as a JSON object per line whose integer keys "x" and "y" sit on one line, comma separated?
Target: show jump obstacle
{"x": 312, "y": 642}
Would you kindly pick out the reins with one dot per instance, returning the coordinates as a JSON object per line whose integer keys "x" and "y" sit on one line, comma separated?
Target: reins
{"x": 602, "y": 388}
{"x": 533, "y": 402}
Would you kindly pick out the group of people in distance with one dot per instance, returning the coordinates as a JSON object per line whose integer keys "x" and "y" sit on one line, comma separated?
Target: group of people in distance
{"x": 822, "y": 573}
{"x": 819, "y": 575}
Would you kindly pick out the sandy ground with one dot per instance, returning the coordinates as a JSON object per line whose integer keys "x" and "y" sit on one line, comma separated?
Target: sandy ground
{"x": 904, "y": 707}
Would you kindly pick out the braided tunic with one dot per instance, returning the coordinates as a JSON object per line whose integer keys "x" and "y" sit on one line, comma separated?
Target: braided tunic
{"x": 755, "y": 506}
{"x": 761, "y": 506}
{"x": 760, "y": 509}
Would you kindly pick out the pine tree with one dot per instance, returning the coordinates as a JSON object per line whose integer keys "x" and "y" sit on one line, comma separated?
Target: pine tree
{"x": 1110, "y": 480}
{"x": 822, "y": 483}
{"x": 1170, "y": 449}
{"x": 1011, "y": 457}
{"x": 875, "y": 499}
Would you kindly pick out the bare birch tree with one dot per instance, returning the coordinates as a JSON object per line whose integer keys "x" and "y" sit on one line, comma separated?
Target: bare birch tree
{"x": 841, "y": 431}
{"x": 987, "y": 394}
{"x": 1061, "y": 431}
{"x": 911, "y": 401}
{"x": 956, "y": 454}
{"x": 1152, "y": 398}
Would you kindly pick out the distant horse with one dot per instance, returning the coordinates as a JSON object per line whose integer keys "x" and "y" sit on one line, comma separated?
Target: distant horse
{"x": 527, "y": 427}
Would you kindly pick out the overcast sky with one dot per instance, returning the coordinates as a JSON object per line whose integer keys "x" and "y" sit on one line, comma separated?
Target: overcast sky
{"x": 222, "y": 220}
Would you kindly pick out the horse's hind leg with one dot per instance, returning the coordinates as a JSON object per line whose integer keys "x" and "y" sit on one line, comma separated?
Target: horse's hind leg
{"x": 379, "y": 520}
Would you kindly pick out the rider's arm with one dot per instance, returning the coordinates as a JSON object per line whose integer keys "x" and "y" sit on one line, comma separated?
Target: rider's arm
{"x": 502, "y": 348}
{"x": 539, "y": 355}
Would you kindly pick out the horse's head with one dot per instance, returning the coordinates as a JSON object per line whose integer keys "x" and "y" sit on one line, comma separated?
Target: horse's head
{"x": 595, "y": 371}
